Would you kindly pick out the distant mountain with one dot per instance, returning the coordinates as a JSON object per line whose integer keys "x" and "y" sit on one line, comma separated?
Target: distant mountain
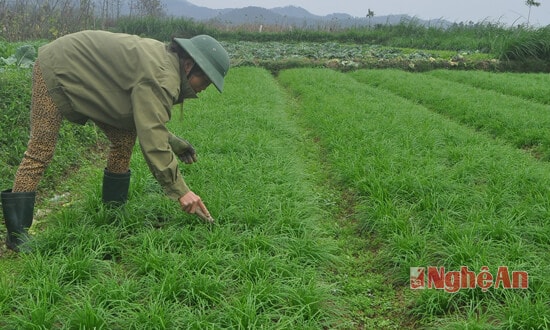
{"x": 293, "y": 11}
{"x": 182, "y": 8}
{"x": 251, "y": 15}
{"x": 286, "y": 16}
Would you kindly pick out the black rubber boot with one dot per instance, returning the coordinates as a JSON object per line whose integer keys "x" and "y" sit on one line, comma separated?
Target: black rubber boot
{"x": 18, "y": 211}
{"x": 115, "y": 187}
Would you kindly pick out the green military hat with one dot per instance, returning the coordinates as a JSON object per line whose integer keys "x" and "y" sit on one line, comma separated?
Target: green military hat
{"x": 209, "y": 55}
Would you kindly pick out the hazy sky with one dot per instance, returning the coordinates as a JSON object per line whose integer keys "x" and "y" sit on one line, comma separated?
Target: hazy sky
{"x": 504, "y": 11}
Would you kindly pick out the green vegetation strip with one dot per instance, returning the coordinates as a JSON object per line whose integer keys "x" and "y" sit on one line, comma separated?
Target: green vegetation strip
{"x": 15, "y": 101}
{"x": 151, "y": 266}
{"x": 530, "y": 86}
{"x": 522, "y": 122}
{"x": 434, "y": 193}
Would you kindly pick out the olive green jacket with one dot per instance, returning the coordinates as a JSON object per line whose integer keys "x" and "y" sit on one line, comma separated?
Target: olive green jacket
{"x": 124, "y": 81}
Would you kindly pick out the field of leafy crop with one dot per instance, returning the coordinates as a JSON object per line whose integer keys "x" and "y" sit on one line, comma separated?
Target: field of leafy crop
{"x": 348, "y": 56}
{"x": 327, "y": 188}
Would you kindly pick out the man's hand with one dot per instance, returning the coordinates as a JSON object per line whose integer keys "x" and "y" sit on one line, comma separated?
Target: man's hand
{"x": 183, "y": 149}
{"x": 192, "y": 204}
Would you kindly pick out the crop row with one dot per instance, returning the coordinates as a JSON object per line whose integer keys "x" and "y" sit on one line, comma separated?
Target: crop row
{"x": 534, "y": 87}
{"x": 522, "y": 122}
{"x": 434, "y": 191}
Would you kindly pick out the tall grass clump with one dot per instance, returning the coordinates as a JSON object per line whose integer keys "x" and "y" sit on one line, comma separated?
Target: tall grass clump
{"x": 484, "y": 37}
{"x": 151, "y": 265}
{"x": 457, "y": 37}
{"x": 531, "y": 45}
{"x": 434, "y": 192}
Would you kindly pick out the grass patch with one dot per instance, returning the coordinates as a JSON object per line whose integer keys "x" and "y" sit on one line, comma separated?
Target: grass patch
{"x": 523, "y": 123}
{"x": 323, "y": 199}
{"x": 529, "y": 86}
{"x": 151, "y": 265}
{"x": 434, "y": 193}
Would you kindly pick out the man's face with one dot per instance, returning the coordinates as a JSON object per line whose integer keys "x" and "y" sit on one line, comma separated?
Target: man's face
{"x": 199, "y": 81}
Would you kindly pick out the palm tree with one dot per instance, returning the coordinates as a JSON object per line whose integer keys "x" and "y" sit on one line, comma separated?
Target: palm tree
{"x": 531, "y": 3}
{"x": 370, "y": 15}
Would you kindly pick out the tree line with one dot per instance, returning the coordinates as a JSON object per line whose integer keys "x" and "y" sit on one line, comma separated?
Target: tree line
{"x": 47, "y": 19}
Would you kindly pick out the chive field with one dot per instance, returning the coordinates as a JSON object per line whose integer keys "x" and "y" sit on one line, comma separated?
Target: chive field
{"x": 527, "y": 86}
{"x": 152, "y": 266}
{"x": 515, "y": 117}
{"x": 327, "y": 187}
{"x": 433, "y": 190}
